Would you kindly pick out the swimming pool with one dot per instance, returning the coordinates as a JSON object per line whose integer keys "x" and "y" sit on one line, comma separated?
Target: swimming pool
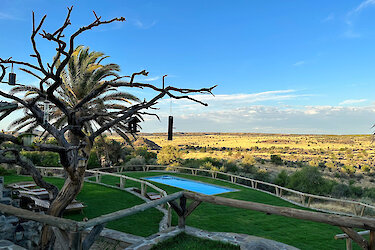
{"x": 194, "y": 186}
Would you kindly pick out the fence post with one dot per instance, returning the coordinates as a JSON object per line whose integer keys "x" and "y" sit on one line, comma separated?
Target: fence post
{"x": 309, "y": 202}
{"x": 98, "y": 177}
{"x": 181, "y": 218}
{"x": 122, "y": 182}
{"x": 372, "y": 240}
{"x": 348, "y": 244}
{"x": 363, "y": 210}
{"x": 76, "y": 241}
{"x": 143, "y": 189}
{"x": 169, "y": 217}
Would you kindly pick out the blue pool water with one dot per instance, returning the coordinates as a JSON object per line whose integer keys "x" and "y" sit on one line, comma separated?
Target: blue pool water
{"x": 194, "y": 186}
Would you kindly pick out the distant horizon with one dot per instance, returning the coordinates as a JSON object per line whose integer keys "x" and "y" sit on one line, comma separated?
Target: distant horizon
{"x": 176, "y": 133}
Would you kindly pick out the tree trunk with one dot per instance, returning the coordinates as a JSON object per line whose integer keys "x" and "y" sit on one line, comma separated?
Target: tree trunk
{"x": 72, "y": 186}
{"x": 66, "y": 195}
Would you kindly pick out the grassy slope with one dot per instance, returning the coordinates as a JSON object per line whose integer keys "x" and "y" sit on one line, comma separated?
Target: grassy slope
{"x": 102, "y": 200}
{"x": 299, "y": 233}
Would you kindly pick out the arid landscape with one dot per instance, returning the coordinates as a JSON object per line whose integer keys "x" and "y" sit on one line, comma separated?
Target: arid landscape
{"x": 336, "y": 155}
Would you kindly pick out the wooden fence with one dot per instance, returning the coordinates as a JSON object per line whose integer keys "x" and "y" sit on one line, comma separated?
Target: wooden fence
{"x": 69, "y": 233}
{"x": 338, "y": 206}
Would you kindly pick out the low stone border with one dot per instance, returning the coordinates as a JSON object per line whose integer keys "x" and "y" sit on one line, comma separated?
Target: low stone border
{"x": 7, "y": 245}
{"x": 243, "y": 240}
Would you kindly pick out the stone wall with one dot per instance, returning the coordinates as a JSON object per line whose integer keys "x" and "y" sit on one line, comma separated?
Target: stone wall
{"x": 21, "y": 232}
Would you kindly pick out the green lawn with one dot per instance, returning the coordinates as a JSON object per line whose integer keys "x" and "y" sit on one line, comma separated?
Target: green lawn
{"x": 184, "y": 241}
{"x": 210, "y": 217}
{"x": 102, "y": 200}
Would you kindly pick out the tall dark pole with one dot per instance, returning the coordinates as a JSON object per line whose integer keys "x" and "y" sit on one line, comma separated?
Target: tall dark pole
{"x": 170, "y": 128}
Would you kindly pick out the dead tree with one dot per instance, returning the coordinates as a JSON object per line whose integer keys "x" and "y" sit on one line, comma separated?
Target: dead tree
{"x": 73, "y": 142}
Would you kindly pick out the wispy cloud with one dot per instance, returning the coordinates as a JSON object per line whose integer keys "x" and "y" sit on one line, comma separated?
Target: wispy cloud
{"x": 142, "y": 25}
{"x": 352, "y": 101}
{"x": 328, "y": 18}
{"x": 151, "y": 79}
{"x": 7, "y": 16}
{"x": 350, "y": 33}
{"x": 272, "y": 119}
{"x": 363, "y": 5}
{"x": 299, "y": 63}
{"x": 249, "y": 98}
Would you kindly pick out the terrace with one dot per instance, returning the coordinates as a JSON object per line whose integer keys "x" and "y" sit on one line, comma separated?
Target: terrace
{"x": 234, "y": 216}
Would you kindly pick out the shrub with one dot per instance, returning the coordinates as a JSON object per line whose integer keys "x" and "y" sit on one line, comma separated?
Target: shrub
{"x": 340, "y": 190}
{"x": 169, "y": 155}
{"x": 230, "y": 166}
{"x": 44, "y": 159}
{"x": 192, "y": 163}
{"x": 262, "y": 175}
{"x": 309, "y": 180}
{"x": 149, "y": 156}
{"x": 276, "y": 159}
{"x": 249, "y": 160}
{"x": 93, "y": 161}
{"x": 4, "y": 172}
{"x": 369, "y": 192}
{"x": 355, "y": 191}
{"x": 282, "y": 179}
{"x": 136, "y": 162}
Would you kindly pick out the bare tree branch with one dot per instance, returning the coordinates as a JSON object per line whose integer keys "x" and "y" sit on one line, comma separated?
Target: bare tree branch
{"x": 16, "y": 159}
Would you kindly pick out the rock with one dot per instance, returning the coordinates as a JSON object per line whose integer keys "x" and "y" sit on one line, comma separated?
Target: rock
{"x": 18, "y": 236}
{"x": 12, "y": 219}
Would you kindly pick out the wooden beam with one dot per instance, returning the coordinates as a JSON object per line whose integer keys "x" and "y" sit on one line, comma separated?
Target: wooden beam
{"x": 192, "y": 207}
{"x": 332, "y": 219}
{"x": 345, "y": 236}
{"x": 64, "y": 224}
{"x": 176, "y": 208}
{"x": 91, "y": 237}
{"x": 372, "y": 240}
{"x": 62, "y": 237}
{"x": 129, "y": 211}
{"x": 76, "y": 241}
{"x": 362, "y": 242}
{"x": 181, "y": 219}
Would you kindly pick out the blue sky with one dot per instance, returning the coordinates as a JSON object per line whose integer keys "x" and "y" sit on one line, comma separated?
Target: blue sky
{"x": 281, "y": 66}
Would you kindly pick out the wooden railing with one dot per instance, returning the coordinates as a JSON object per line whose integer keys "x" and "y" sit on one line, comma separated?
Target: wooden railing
{"x": 122, "y": 181}
{"x": 69, "y": 233}
{"x": 303, "y": 199}
{"x": 348, "y": 239}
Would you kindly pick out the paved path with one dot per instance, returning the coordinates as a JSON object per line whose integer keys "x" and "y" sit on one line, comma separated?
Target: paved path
{"x": 246, "y": 242}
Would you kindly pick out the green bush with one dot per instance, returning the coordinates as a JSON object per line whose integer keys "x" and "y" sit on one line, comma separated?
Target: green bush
{"x": 309, "y": 180}
{"x": 136, "y": 161}
{"x": 276, "y": 159}
{"x": 355, "y": 191}
{"x": 142, "y": 151}
{"x": 44, "y": 159}
{"x": 282, "y": 179}
{"x": 340, "y": 190}
{"x": 93, "y": 162}
{"x": 369, "y": 192}
{"x": 169, "y": 155}
{"x": 230, "y": 166}
{"x": 4, "y": 172}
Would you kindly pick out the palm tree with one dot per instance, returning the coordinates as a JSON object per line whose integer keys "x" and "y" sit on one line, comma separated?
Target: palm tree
{"x": 83, "y": 73}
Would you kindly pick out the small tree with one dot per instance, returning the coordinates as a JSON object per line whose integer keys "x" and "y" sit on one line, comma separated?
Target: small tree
{"x": 74, "y": 138}
{"x": 169, "y": 155}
